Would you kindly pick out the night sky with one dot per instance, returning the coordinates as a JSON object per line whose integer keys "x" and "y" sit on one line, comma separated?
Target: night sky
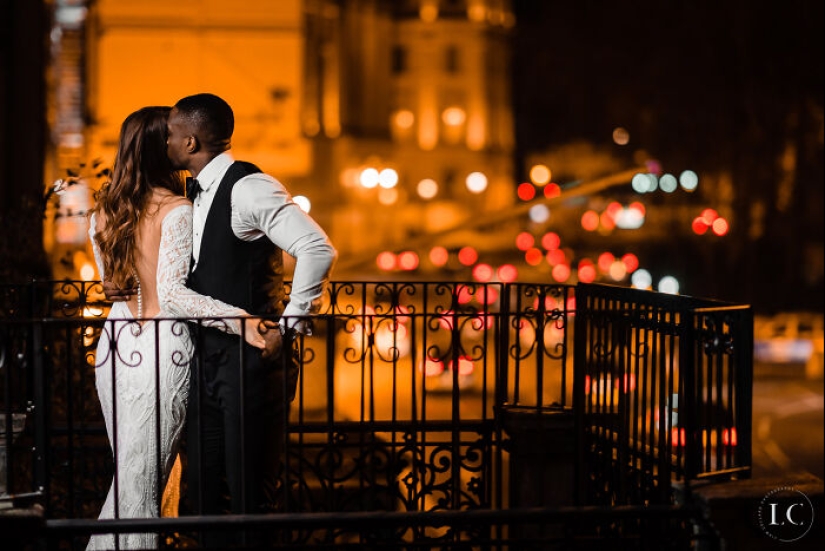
{"x": 711, "y": 86}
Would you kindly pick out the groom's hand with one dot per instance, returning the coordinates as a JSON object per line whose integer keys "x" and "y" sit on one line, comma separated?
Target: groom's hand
{"x": 272, "y": 335}
{"x": 116, "y": 294}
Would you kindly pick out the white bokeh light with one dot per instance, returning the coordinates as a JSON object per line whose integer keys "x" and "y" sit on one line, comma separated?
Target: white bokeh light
{"x": 668, "y": 183}
{"x": 688, "y": 180}
{"x": 476, "y": 182}
{"x": 387, "y": 178}
{"x": 641, "y": 279}
{"x": 302, "y": 202}
{"x": 539, "y": 214}
{"x": 639, "y": 182}
{"x": 669, "y": 285}
{"x": 369, "y": 178}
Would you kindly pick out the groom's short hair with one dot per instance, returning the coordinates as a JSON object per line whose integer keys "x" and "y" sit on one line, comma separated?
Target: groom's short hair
{"x": 211, "y": 117}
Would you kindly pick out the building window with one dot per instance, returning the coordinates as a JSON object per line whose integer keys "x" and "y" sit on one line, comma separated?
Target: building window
{"x": 451, "y": 59}
{"x": 399, "y": 60}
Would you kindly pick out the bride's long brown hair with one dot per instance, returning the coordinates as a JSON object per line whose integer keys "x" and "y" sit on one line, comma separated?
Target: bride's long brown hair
{"x": 141, "y": 165}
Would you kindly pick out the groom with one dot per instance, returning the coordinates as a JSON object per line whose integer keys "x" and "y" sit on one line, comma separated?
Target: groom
{"x": 243, "y": 220}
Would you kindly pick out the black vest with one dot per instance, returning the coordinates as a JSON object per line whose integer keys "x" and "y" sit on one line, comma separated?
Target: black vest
{"x": 247, "y": 274}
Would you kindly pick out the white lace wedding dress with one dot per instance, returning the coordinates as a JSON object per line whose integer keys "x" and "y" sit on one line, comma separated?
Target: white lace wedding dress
{"x": 133, "y": 359}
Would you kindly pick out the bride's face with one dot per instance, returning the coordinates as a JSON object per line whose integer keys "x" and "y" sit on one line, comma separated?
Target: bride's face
{"x": 177, "y": 141}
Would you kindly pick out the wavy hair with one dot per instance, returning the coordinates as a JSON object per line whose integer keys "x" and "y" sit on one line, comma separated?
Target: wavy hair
{"x": 141, "y": 165}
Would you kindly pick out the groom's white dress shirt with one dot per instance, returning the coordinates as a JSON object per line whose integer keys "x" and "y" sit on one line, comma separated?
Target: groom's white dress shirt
{"x": 262, "y": 207}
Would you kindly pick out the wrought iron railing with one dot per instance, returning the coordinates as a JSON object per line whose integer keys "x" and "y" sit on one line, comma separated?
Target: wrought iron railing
{"x": 663, "y": 392}
{"x": 412, "y": 400}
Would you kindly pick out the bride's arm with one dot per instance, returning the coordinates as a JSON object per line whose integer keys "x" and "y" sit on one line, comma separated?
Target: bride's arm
{"x": 173, "y": 268}
{"x": 95, "y": 248}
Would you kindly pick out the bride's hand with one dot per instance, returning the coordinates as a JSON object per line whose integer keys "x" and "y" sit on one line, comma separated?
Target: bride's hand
{"x": 251, "y": 333}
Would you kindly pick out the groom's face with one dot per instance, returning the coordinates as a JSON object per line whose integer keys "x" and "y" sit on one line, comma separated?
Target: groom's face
{"x": 177, "y": 140}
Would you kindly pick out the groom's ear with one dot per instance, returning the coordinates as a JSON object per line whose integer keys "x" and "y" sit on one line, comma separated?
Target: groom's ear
{"x": 192, "y": 144}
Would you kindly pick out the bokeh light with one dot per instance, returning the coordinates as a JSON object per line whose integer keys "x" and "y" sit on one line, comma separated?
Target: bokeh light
{"x": 587, "y": 271}
{"x": 525, "y": 240}
{"x": 550, "y": 241}
{"x": 620, "y": 136}
{"x": 476, "y": 182}
{"x": 552, "y": 190}
{"x": 555, "y": 257}
{"x": 668, "y": 183}
{"x": 533, "y": 256}
{"x": 526, "y": 191}
{"x": 631, "y": 262}
{"x": 404, "y": 119}
{"x": 453, "y": 116}
{"x": 669, "y": 285}
{"x": 720, "y": 226}
{"x": 388, "y": 196}
{"x": 590, "y": 220}
{"x": 427, "y": 188}
{"x": 467, "y": 256}
{"x": 408, "y": 260}
{"x": 369, "y": 178}
{"x": 302, "y": 202}
{"x": 561, "y": 272}
{"x": 386, "y": 260}
{"x": 540, "y": 175}
{"x": 699, "y": 226}
{"x": 539, "y": 214}
{"x": 688, "y": 180}
{"x": 387, "y": 178}
{"x": 641, "y": 279}
{"x": 507, "y": 273}
{"x": 483, "y": 272}
{"x": 439, "y": 256}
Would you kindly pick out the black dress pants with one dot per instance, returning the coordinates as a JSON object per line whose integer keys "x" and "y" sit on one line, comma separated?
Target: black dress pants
{"x": 235, "y": 440}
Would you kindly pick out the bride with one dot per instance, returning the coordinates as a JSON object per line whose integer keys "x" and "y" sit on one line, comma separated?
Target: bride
{"x": 141, "y": 233}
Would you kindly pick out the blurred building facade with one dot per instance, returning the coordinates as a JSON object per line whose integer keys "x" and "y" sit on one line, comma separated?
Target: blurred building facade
{"x": 375, "y": 111}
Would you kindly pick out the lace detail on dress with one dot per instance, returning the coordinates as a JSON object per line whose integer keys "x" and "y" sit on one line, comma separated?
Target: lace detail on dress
{"x": 174, "y": 258}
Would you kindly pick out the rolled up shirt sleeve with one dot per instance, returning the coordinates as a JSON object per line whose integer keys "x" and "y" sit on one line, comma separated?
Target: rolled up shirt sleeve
{"x": 261, "y": 206}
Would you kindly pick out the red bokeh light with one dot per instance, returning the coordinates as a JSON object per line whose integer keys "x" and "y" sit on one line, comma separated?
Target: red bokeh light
{"x": 465, "y": 295}
{"x": 526, "y": 191}
{"x": 483, "y": 272}
{"x": 467, "y": 256}
{"x": 550, "y": 241}
{"x": 490, "y": 295}
{"x": 561, "y": 272}
{"x": 524, "y": 241}
{"x": 439, "y": 256}
{"x": 533, "y": 257}
{"x": 605, "y": 261}
{"x": 556, "y": 256}
{"x": 587, "y": 273}
{"x": 408, "y": 260}
{"x": 699, "y": 226}
{"x": 552, "y": 190}
{"x": 709, "y": 215}
{"x": 386, "y": 260}
{"x": 507, "y": 273}
{"x": 590, "y": 220}
{"x": 631, "y": 262}
{"x": 637, "y": 206}
{"x": 613, "y": 209}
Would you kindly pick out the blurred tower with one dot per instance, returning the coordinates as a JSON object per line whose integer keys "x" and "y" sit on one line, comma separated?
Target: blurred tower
{"x": 418, "y": 87}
